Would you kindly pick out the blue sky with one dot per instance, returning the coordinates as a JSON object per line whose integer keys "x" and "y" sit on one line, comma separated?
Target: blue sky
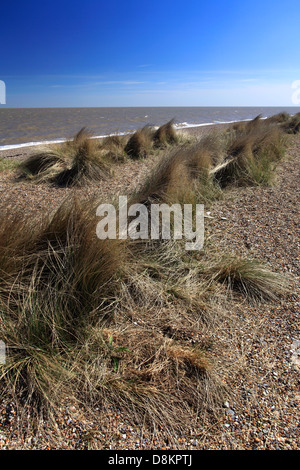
{"x": 142, "y": 53}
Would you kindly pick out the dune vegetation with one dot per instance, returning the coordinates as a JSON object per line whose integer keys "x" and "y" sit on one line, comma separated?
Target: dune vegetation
{"x": 75, "y": 162}
{"x": 110, "y": 321}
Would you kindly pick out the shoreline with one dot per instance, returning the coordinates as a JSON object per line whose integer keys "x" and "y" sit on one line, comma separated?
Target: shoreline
{"x": 24, "y": 149}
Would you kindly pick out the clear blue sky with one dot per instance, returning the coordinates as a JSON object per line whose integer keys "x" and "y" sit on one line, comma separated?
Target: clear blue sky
{"x": 149, "y": 53}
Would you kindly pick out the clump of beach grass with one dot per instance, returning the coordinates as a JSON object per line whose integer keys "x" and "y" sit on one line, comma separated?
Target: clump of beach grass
{"x": 165, "y": 135}
{"x": 140, "y": 143}
{"x": 252, "y": 153}
{"x": 292, "y": 125}
{"x": 113, "y": 147}
{"x": 88, "y": 165}
{"x": 153, "y": 379}
{"x": 279, "y": 118}
{"x": 71, "y": 163}
{"x": 55, "y": 275}
{"x": 182, "y": 176}
{"x": 42, "y": 165}
{"x": 150, "y": 140}
{"x": 167, "y": 182}
{"x": 199, "y": 159}
{"x": 249, "y": 277}
{"x": 67, "y": 302}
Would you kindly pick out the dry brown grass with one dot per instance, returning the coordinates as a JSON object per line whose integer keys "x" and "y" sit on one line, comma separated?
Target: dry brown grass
{"x": 279, "y": 118}
{"x": 75, "y": 162}
{"x": 62, "y": 290}
{"x": 110, "y": 322}
{"x": 140, "y": 143}
{"x": 60, "y": 249}
{"x": 248, "y": 277}
{"x": 165, "y": 135}
{"x": 153, "y": 379}
{"x": 245, "y": 154}
{"x": 113, "y": 147}
{"x": 292, "y": 126}
{"x": 182, "y": 176}
{"x": 252, "y": 152}
{"x": 167, "y": 182}
{"x": 44, "y": 161}
{"x": 88, "y": 165}
{"x": 199, "y": 160}
{"x": 56, "y": 276}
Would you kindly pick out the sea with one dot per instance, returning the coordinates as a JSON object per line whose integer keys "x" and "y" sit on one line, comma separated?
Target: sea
{"x": 35, "y": 126}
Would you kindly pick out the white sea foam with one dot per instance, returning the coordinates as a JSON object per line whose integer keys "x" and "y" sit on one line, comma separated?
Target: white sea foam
{"x": 185, "y": 125}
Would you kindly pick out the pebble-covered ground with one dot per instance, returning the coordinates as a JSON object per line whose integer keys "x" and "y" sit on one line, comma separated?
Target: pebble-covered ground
{"x": 258, "y": 346}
